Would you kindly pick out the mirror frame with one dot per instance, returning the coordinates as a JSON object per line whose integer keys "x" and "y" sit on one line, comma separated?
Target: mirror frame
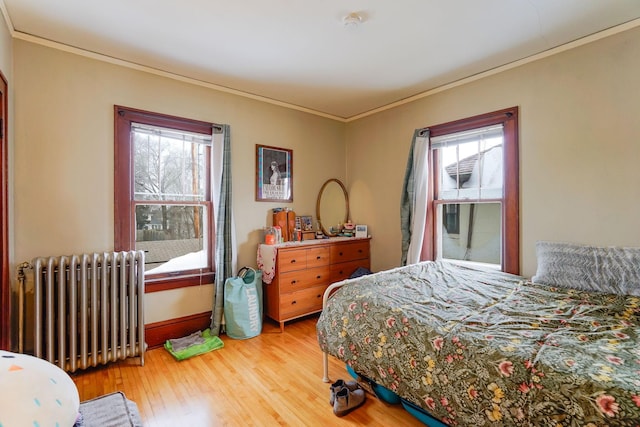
{"x": 346, "y": 202}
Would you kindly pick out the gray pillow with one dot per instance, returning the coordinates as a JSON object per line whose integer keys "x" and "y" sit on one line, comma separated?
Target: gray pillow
{"x": 604, "y": 269}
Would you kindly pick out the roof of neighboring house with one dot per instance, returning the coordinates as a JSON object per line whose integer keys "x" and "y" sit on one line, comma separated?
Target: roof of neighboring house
{"x": 465, "y": 166}
{"x": 158, "y": 251}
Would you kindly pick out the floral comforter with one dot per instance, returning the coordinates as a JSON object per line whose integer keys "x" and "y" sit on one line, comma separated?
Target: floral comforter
{"x": 485, "y": 348}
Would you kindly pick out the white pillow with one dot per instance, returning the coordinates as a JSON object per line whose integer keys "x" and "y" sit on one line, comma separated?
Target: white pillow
{"x": 612, "y": 270}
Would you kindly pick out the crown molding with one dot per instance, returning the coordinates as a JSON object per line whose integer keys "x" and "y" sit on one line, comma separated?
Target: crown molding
{"x": 545, "y": 54}
{"x": 18, "y": 35}
{"x": 7, "y": 18}
{"x": 112, "y": 60}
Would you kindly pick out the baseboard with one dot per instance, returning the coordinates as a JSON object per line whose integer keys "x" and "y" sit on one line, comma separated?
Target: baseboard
{"x": 156, "y": 334}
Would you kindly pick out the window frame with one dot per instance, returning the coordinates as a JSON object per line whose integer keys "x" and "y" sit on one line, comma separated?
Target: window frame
{"x": 510, "y": 233}
{"x": 124, "y": 202}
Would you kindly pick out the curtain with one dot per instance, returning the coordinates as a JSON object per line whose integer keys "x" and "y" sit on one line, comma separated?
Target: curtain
{"x": 413, "y": 201}
{"x": 225, "y": 255}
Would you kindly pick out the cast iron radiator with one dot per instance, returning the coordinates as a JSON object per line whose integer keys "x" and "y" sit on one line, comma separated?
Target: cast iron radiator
{"x": 88, "y": 308}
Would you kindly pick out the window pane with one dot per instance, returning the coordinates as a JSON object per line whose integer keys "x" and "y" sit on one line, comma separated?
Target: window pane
{"x": 168, "y": 165}
{"x": 471, "y": 170}
{"x": 470, "y": 232}
{"x": 173, "y": 237}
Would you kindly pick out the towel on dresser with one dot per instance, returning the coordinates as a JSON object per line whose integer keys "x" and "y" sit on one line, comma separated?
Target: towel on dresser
{"x": 267, "y": 262}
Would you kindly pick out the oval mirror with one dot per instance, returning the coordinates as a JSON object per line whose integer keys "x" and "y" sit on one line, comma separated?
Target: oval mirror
{"x": 332, "y": 207}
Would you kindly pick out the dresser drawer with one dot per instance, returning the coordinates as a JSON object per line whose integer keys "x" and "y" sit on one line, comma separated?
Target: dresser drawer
{"x": 300, "y": 279}
{"x": 317, "y": 257}
{"x": 301, "y": 302}
{"x": 291, "y": 260}
{"x": 349, "y": 252}
{"x": 344, "y": 270}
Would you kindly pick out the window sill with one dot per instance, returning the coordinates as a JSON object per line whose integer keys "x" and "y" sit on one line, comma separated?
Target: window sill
{"x": 160, "y": 284}
{"x": 474, "y": 264}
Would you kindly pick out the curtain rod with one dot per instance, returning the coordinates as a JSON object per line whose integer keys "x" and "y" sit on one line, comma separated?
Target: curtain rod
{"x": 422, "y": 131}
{"x": 215, "y": 126}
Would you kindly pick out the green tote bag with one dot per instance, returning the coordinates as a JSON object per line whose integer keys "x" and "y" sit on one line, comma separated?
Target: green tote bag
{"x": 243, "y": 304}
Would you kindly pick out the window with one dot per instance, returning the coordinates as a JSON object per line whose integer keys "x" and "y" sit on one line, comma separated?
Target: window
{"x": 163, "y": 196}
{"x": 474, "y": 195}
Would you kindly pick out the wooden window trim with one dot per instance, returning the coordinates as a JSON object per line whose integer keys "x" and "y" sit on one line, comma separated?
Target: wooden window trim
{"x": 510, "y": 207}
{"x": 124, "y": 211}
{"x": 5, "y": 285}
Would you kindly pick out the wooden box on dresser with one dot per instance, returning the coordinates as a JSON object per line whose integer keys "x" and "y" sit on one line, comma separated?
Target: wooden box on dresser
{"x": 303, "y": 270}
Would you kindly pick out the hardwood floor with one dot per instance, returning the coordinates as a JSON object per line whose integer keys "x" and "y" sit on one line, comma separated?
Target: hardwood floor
{"x": 274, "y": 379}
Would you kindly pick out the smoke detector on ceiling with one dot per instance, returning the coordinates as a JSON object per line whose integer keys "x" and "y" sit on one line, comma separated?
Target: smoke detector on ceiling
{"x": 352, "y": 20}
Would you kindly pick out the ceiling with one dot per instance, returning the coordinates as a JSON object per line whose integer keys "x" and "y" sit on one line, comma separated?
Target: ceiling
{"x": 300, "y": 53}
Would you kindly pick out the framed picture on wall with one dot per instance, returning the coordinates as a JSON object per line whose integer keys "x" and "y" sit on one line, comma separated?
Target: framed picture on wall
{"x": 274, "y": 174}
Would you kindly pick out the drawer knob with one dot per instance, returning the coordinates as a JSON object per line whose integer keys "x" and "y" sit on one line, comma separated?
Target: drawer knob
{"x": 319, "y": 296}
{"x": 293, "y": 282}
{"x": 293, "y": 261}
{"x": 318, "y": 257}
{"x": 293, "y": 302}
{"x": 340, "y": 254}
{"x": 318, "y": 276}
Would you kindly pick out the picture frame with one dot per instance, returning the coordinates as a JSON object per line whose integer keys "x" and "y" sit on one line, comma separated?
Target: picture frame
{"x": 274, "y": 174}
{"x": 361, "y": 230}
{"x": 306, "y": 223}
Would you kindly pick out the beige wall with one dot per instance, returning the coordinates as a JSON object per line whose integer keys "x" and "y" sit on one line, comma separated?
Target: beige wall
{"x": 579, "y": 148}
{"x": 6, "y": 67}
{"x": 64, "y": 156}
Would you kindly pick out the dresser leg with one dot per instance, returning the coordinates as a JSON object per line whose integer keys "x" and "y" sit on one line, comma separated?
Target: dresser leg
{"x": 281, "y": 327}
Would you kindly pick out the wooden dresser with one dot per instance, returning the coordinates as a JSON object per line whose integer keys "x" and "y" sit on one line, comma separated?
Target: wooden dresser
{"x": 303, "y": 270}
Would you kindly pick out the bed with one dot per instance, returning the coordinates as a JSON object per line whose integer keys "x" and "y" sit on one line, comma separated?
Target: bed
{"x": 474, "y": 347}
